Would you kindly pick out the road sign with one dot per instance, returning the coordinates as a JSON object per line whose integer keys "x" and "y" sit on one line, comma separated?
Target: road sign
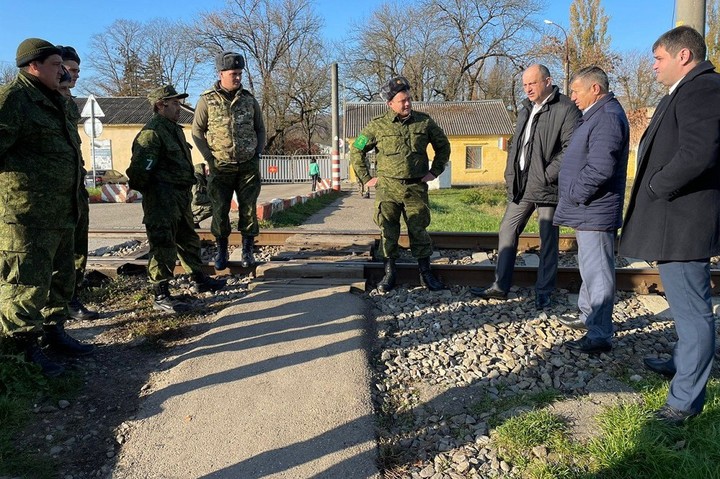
{"x": 88, "y": 127}
{"x": 92, "y": 108}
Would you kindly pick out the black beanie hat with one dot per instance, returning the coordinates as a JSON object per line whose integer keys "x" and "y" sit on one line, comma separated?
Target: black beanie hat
{"x": 32, "y": 49}
{"x": 69, "y": 53}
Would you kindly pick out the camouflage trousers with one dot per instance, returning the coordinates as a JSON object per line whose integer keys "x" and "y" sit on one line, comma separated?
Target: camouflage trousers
{"x": 37, "y": 277}
{"x": 81, "y": 237}
{"x": 201, "y": 212}
{"x": 393, "y": 200}
{"x": 170, "y": 231}
{"x": 243, "y": 180}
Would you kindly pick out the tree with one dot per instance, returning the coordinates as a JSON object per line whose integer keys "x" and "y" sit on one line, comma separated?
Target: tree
{"x": 635, "y": 79}
{"x": 588, "y": 37}
{"x": 136, "y": 57}
{"x": 8, "y": 72}
{"x": 275, "y": 36}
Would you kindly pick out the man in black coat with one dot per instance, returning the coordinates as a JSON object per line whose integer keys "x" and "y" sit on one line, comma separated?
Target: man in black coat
{"x": 542, "y": 132}
{"x": 673, "y": 216}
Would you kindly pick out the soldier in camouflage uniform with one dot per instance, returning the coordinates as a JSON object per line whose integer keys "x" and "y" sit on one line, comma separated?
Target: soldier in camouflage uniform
{"x": 77, "y": 310}
{"x": 201, "y": 204}
{"x": 400, "y": 138}
{"x": 228, "y": 130}
{"x": 161, "y": 169}
{"x": 40, "y": 174}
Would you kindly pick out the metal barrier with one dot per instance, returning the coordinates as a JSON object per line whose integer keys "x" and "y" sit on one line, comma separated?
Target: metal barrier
{"x": 294, "y": 168}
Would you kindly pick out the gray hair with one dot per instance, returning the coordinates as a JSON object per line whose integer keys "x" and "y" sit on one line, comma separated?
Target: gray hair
{"x": 594, "y": 75}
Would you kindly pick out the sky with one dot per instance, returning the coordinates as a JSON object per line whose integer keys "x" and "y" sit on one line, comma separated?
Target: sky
{"x": 634, "y": 24}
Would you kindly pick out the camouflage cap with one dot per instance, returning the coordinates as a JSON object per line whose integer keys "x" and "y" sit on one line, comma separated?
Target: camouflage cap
{"x": 394, "y": 86}
{"x": 32, "y": 49}
{"x": 166, "y": 92}
{"x": 229, "y": 61}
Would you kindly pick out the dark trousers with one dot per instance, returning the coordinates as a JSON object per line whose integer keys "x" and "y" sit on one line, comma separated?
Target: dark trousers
{"x": 687, "y": 289}
{"x": 513, "y": 223}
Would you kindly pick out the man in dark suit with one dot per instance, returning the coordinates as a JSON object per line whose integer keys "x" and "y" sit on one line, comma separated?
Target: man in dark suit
{"x": 673, "y": 216}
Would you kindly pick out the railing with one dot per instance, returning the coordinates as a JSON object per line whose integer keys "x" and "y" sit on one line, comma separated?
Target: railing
{"x": 294, "y": 168}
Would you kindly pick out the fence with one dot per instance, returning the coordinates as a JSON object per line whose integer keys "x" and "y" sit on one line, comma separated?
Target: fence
{"x": 294, "y": 168}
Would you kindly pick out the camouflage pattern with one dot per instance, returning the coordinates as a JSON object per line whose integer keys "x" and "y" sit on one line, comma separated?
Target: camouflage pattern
{"x": 401, "y": 147}
{"x": 246, "y": 185}
{"x": 230, "y": 129}
{"x": 394, "y": 200}
{"x": 162, "y": 166}
{"x": 401, "y": 162}
{"x": 201, "y": 204}
{"x": 83, "y": 224}
{"x": 229, "y": 132}
{"x": 40, "y": 174}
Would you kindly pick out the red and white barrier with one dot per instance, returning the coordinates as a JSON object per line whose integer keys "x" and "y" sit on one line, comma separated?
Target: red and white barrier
{"x": 118, "y": 194}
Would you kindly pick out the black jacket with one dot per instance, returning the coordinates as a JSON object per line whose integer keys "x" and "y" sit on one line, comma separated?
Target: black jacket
{"x": 674, "y": 208}
{"x": 552, "y": 127}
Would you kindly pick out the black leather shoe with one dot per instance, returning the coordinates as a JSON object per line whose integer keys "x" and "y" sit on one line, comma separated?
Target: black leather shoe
{"x": 55, "y": 338}
{"x": 661, "y": 366}
{"x": 587, "y": 346}
{"x": 77, "y": 310}
{"x": 49, "y": 368}
{"x": 542, "y": 300}
{"x": 202, "y": 283}
{"x": 489, "y": 292}
{"x": 671, "y": 416}
{"x": 571, "y": 322}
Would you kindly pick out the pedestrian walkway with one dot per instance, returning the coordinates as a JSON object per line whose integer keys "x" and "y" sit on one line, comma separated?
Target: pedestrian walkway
{"x": 278, "y": 388}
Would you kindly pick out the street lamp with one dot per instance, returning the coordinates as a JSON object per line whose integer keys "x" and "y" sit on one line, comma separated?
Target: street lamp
{"x": 566, "y": 85}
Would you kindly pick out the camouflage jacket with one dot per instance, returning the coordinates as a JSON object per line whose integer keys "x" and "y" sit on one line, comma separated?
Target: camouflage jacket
{"x": 228, "y": 127}
{"x": 401, "y": 147}
{"x": 73, "y": 113}
{"x": 160, "y": 155}
{"x": 40, "y": 170}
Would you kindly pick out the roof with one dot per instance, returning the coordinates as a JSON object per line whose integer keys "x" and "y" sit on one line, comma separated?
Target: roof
{"x": 128, "y": 110}
{"x": 456, "y": 118}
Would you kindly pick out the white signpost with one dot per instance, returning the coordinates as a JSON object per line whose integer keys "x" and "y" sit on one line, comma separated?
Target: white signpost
{"x": 93, "y": 127}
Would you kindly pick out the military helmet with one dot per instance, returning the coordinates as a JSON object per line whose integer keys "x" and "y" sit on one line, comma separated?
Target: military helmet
{"x": 394, "y": 86}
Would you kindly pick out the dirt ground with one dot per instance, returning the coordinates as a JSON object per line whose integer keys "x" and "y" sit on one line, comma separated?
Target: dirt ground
{"x": 82, "y": 434}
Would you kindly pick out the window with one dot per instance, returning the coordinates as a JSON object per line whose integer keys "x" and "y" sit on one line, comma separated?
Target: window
{"x": 473, "y": 157}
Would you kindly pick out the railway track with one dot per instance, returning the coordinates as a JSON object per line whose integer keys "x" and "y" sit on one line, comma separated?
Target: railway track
{"x": 306, "y": 249}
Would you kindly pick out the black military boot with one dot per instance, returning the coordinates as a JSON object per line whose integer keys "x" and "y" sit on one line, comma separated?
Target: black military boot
{"x": 388, "y": 281}
{"x": 428, "y": 279}
{"x": 34, "y": 354}
{"x": 77, "y": 310}
{"x": 248, "y": 243}
{"x": 165, "y": 302}
{"x": 55, "y": 338}
{"x": 221, "y": 259}
{"x": 202, "y": 283}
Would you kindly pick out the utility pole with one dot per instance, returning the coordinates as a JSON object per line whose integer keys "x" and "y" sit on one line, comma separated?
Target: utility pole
{"x": 691, "y": 13}
{"x": 566, "y": 83}
{"x": 335, "y": 121}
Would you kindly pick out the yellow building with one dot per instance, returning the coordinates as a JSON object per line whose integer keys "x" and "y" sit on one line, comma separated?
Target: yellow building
{"x": 123, "y": 118}
{"x": 478, "y": 132}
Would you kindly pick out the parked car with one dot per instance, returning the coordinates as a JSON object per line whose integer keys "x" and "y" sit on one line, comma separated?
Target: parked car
{"x": 103, "y": 177}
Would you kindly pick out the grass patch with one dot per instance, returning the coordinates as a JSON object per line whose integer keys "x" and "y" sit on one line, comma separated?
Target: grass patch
{"x": 21, "y": 386}
{"x": 473, "y": 209}
{"x": 629, "y": 443}
{"x": 299, "y": 213}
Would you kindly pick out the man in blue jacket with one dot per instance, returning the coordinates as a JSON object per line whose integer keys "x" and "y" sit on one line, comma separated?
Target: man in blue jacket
{"x": 592, "y": 190}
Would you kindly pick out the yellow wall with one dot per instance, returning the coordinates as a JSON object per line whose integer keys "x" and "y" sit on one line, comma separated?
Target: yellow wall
{"x": 121, "y": 137}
